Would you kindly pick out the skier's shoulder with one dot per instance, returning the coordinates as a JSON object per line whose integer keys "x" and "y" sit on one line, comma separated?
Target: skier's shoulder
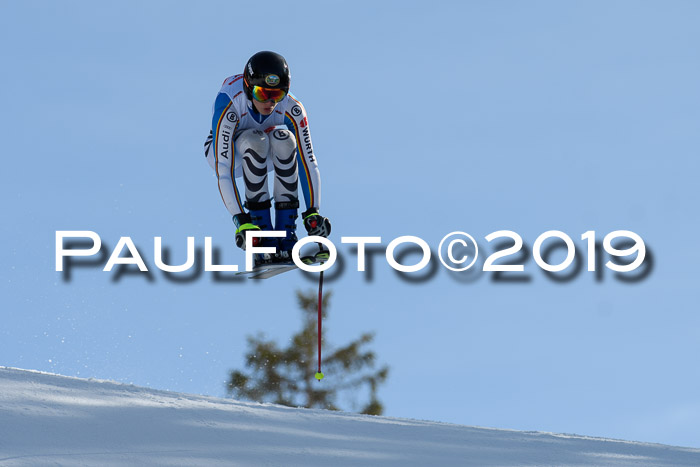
{"x": 292, "y": 107}
{"x": 233, "y": 87}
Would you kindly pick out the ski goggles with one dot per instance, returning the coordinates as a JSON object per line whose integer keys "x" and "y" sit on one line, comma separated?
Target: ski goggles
{"x": 265, "y": 94}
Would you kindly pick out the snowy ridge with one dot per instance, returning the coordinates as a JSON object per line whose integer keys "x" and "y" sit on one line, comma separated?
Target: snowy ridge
{"x": 47, "y": 419}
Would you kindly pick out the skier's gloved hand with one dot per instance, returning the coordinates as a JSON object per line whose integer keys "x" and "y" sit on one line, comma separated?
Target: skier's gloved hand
{"x": 316, "y": 224}
{"x": 243, "y": 226}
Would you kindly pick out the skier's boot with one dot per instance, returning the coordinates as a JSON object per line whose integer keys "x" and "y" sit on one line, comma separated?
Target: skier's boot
{"x": 286, "y": 219}
{"x": 260, "y": 216}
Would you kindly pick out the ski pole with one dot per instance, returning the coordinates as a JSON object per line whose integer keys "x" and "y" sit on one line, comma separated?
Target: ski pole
{"x": 319, "y": 373}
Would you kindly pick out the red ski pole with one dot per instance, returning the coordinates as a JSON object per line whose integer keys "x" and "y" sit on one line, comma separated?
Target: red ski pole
{"x": 319, "y": 374}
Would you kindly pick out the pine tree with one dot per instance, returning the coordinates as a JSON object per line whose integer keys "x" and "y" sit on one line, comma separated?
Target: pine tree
{"x": 286, "y": 376}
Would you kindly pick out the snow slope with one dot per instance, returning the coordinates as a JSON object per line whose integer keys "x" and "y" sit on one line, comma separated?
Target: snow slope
{"x": 55, "y": 420}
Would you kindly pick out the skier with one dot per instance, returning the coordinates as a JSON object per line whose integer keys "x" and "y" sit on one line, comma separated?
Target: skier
{"x": 259, "y": 127}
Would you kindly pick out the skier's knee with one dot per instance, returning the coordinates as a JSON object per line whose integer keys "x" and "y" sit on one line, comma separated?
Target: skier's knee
{"x": 254, "y": 140}
{"x": 282, "y": 143}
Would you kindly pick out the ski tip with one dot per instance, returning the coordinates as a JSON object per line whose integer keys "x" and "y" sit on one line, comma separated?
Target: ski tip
{"x": 319, "y": 376}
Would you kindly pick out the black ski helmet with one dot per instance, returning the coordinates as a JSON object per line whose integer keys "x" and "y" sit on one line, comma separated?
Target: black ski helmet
{"x": 267, "y": 70}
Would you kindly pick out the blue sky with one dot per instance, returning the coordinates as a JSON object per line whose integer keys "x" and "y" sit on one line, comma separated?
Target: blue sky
{"x": 426, "y": 118}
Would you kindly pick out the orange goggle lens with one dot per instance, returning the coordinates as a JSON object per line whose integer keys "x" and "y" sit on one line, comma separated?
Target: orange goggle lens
{"x": 265, "y": 94}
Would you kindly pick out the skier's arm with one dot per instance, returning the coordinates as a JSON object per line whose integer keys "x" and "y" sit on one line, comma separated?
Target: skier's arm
{"x": 224, "y": 124}
{"x": 309, "y": 175}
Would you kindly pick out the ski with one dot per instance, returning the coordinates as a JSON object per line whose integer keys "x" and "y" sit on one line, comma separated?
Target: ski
{"x": 267, "y": 270}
